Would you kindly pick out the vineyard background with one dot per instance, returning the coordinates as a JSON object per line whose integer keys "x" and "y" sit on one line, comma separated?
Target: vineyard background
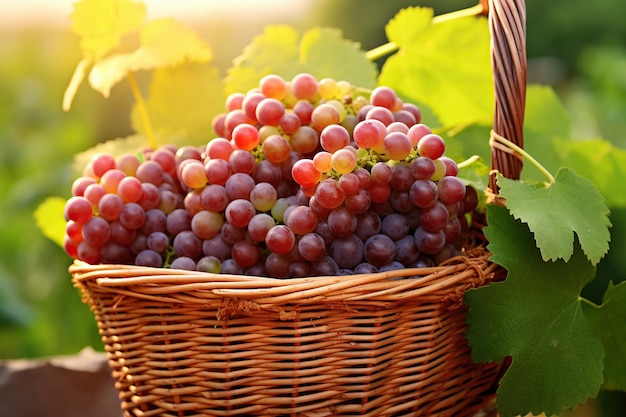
{"x": 578, "y": 47}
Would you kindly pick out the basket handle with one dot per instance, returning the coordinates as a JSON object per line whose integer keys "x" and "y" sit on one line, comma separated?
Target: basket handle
{"x": 507, "y": 26}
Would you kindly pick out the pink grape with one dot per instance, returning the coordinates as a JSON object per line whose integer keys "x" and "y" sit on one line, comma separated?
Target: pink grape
{"x": 383, "y": 96}
{"x": 334, "y": 137}
{"x": 304, "y": 140}
{"x": 280, "y": 239}
{"x": 269, "y": 111}
{"x": 431, "y": 146}
{"x": 305, "y": 173}
{"x": 380, "y": 113}
{"x": 369, "y": 134}
{"x": 246, "y": 137}
{"x": 344, "y": 161}
{"x": 263, "y": 196}
{"x": 304, "y": 86}
{"x": 219, "y": 148}
{"x": 273, "y": 86}
{"x": 276, "y": 149}
{"x": 397, "y": 146}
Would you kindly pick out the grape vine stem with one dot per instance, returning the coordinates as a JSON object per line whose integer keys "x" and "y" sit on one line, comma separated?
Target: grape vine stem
{"x": 391, "y": 47}
{"x": 141, "y": 106}
{"x": 523, "y": 153}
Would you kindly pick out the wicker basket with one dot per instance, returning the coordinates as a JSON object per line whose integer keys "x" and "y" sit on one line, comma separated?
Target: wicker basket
{"x": 186, "y": 343}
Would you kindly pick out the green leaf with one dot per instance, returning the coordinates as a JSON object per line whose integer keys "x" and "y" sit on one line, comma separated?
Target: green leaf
{"x": 101, "y": 24}
{"x": 610, "y": 322}
{"x": 545, "y": 119}
{"x": 444, "y": 65}
{"x": 322, "y": 52}
{"x": 164, "y": 43}
{"x": 181, "y": 104}
{"x": 599, "y": 161}
{"x": 572, "y": 204}
{"x": 50, "y": 219}
{"x": 534, "y": 316}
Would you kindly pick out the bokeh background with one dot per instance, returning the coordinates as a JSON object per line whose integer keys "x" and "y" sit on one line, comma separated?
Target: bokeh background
{"x": 576, "y": 46}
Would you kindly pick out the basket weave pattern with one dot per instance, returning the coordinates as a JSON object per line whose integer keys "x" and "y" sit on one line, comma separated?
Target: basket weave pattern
{"x": 185, "y": 343}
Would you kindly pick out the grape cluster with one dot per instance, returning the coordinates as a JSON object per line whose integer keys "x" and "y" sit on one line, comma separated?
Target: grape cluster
{"x": 305, "y": 178}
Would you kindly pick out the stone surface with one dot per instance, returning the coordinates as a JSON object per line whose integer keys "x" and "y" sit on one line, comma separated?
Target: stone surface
{"x": 72, "y": 386}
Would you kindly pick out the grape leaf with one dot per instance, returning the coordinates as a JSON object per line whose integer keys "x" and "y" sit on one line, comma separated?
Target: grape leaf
{"x": 599, "y": 161}
{"x": 50, "y": 219}
{"x": 545, "y": 119}
{"x": 322, "y": 52}
{"x": 164, "y": 42}
{"x": 444, "y": 65}
{"x": 610, "y": 322}
{"x": 101, "y": 24}
{"x": 534, "y": 316}
{"x": 571, "y": 204}
{"x": 181, "y": 104}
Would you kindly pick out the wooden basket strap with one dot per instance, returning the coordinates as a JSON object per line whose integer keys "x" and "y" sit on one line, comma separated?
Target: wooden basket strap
{"x": 507, "y": 25}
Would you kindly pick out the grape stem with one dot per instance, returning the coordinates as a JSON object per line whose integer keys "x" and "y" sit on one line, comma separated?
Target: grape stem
{"x": 469, "y": 161}
{"x": 497, "y": 138}
{"x": 390, "y": 47}
{"x": 141, "y": 106}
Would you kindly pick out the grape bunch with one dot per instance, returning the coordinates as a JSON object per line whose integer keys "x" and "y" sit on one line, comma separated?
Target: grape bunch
{"x": 304, "y": 178}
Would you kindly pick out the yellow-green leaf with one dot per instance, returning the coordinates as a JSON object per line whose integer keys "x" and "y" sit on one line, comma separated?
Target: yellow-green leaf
{"x": 77, "y": 79}
{"x": 164, "y": 43}
{"x": 446, "y": 66}
{"x": 322, "y": 52}
{"x": 181, "y": 104}
{"x": 50, "y": 220}
{"x": 101, "y": 24}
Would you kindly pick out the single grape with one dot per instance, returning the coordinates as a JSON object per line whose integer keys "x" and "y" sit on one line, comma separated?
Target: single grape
{"x": 301, "y": 220}
{"x": 239, "y": 212}
{"x": 185, "y": 263}
{"x": 186, "y": 243}
{"x": 344, "y": 161}
{"x": 273, "y": 86}
{"x": 210, "y": 264}
{"x": 341, "y": 222}
{"x": 78, "y": 209}
{"x": 246, "y": 137}
{"x": 396, "y": 146}
{"x": 423, "y": 193}
{"x": 206, "y": 224}
{"x": 406, "y": 250}
{"x": 311, "y": 247}
{"x": 383, "y": 96}
{"x": 304, "y": 86}
{"x": 96, "y": 231}
{"x": 451, "y": 189}
{"x": 431, "y": 146}
{"x": 276, "y": 149}
{"x": 280, "y": 239}
{"x": 245, "y": 253}
{"x": 347, "y": 251}
{"x": 259, "y": 225}
{"x": 434, "y": 218}
{"x": 239, "y": 186}
{"x": 177, "y": 221}
{"x": 263, "y": 196}
{"x": 328, "y": 194}
{"x": 395, "y": 226}
{"x": 219, "y": 148}
{"x": 305, "y": 173}
{"x": 379, "y": 250}
{"x": 429, "y": 242}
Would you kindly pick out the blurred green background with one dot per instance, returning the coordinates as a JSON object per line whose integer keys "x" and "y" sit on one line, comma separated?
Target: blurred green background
{"x": 577, "y": 46}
